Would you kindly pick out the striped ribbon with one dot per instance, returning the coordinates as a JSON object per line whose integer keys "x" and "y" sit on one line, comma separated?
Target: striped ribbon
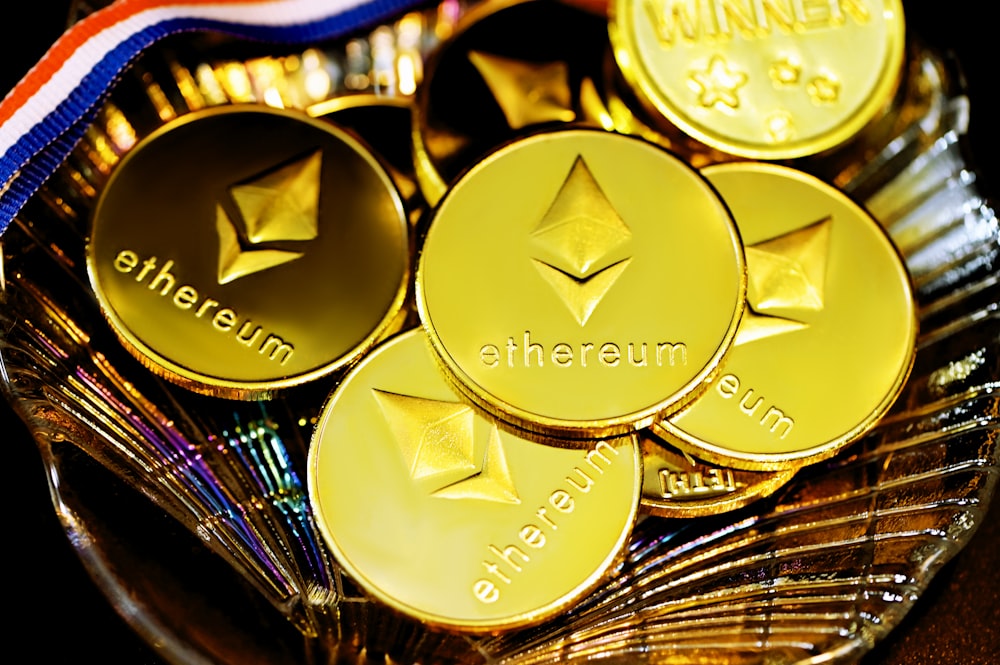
{"x": 47, "y": 112}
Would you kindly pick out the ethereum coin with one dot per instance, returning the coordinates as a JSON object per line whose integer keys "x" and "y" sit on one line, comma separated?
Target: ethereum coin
{"x": 828, "y": 336}
{"x": 769, "y": 80}
{"x": 511, "y": 66}
{"x": 581, "y": 283}
{"x": 445, "y": 516}
{"x": 241, "y": 250}
{"x": 675, "y": 484}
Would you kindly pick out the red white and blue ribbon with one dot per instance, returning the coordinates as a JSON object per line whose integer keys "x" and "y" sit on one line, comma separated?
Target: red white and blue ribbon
{"x": 48, "y": 111}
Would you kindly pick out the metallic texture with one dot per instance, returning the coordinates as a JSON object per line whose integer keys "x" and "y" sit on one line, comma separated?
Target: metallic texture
{"x": 555, "y": 283}
{"x": 483, "y": 89}
{"x": 189, "y": 513}
{"x": 480, "y": 529}
{"x": 828, "y": 336}
{"x": 770, "y": 80}
{"x": 675, "y": 484}
{"x": 240, "y": 250}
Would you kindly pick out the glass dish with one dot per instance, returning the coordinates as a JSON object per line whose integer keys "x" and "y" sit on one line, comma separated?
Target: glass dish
{"x": 190, "y": 515}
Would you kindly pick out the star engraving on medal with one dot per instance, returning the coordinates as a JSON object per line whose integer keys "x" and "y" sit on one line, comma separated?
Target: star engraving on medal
{"x": 787, "y": 276}
{"x": 717, "y": 84}
{"x": 438, "y": 446}
{"x": 784, "y": 72}
{"x": 779, "y": 126}
{"x": 278, "y": 205}
{"x": 823, "y": 89}
{"x": 527, "y": 92}
{"x": 578, "y": 236}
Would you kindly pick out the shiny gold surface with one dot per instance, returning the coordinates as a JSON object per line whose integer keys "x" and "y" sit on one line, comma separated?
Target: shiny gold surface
{"x": 675, "y": 484}
{"x": 768, "y": 80}
{"x": 477, "y": 529}
{"x": 823, "y": 570}
{"x": 241, "y": 250}
{"x": 581, "y": 283}
{"x": 828, "y": 336}
{"x": 528, "y": 93}
{"x": 484, "y": 88}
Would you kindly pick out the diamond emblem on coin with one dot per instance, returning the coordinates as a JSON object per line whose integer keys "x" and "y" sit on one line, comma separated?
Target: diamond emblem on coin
{"x": 581, "y": 228}
{"x": 527, "y": 92}
{"x": 717, "y": 84}
{"x": 278, "y": 205}
{"x": 438, "y": 444}
{"x": 787, "y": 274}
{"x": 754, "y": 327}
{"x": 788, "y": 271}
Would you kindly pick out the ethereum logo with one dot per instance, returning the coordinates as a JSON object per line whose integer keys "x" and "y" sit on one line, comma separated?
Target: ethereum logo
{"x": 786, "y": 276}
{"x": 581, "y": 296}
{"x": 754, "y": 326}
{"x": 578, "y": 233}
{"x": 438, "y": 446}
{"x": 527, "y": 92}
{"x": 279, "y": 205}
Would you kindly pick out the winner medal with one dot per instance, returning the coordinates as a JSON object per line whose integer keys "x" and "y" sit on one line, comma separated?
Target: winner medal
{"x": 762, "y": 80}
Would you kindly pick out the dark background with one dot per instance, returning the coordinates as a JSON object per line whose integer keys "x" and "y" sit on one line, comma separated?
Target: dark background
{"x": 59, "y": 615}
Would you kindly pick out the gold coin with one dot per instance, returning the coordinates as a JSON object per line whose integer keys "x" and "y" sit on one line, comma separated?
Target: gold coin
{"x": 510, "y": 66}
{"x": 240, "y": 250}
{"x": 675, "y": 484}
{"x": 581, "y": 283}
{"x": 768, "y": 80}
{"x": 828, "y": 336}
{"x": 440, "y": 514}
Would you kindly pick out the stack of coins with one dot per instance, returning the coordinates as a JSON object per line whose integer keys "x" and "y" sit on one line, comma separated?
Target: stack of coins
{"x": 589, "y": 327}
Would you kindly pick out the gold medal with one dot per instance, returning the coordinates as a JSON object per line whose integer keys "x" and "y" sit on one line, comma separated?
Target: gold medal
{"x": 768, "y": 80}
{"x": 581, "y": 283}
{"x": 240, "y": 250}
{"x": 440, "y": 514}
{"x": 828, "y": 336}
{"x": 512, "y": 65}
{"x": 675, "y": 484}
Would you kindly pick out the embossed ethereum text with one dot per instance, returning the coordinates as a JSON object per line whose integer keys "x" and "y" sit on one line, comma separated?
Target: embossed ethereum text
{"x": 753, "y": 405}
{"x": 695, "y": 483}
{"x": 504, "y": 563}
{"x": 534, "y": 353}
{"x": 160, "y": 281}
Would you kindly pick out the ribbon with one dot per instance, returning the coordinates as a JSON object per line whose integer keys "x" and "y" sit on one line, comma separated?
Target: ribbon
{"x": 48, "y": 111}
